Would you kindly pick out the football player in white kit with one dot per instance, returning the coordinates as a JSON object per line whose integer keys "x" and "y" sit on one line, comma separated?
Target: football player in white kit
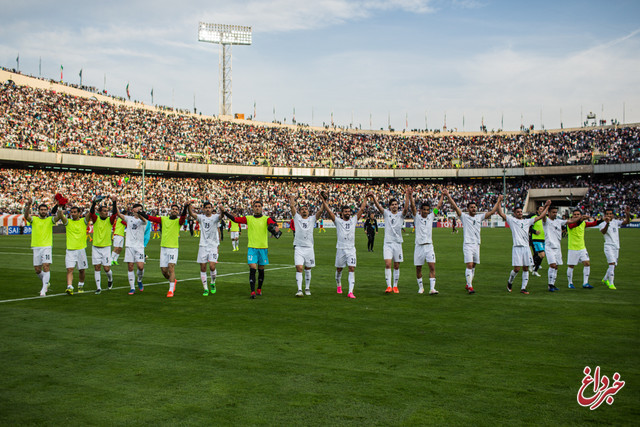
{"x": 209, "y": 242}
{"x": 552, "y": 241}
{"x": 134, "y": 252}
{"x": 610, "y": 228}
{"x": 392, "y": 247}
{"x": 471, "y": 224}
{"x": 304, "y": 257}
{"x": 423, "y": 252}
{"x": 520, "y": 254}
{"x": 346, "y": 242}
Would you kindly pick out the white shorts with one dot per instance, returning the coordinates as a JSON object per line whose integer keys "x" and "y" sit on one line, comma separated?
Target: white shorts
{"x": 207, "y": 254}
{"x": 304, "y": 256}
{"x": 554, "y": 255}
{"x": 134, "y": 254}
{"x": 392, "y": 251}
{"x": 168, "y": 256}
{"x": 234, "y": 234}
{"x": 611, "y": 252}
{"x": 576, "y": 257}
{"x": 346, "y": 257}
{"x": 423, "y": 253}
{"x": 76, "y": 257}
{"x": 521, "y": 256}
{"x": 42, "y": 255}
{"x": 471, "y": 253}
{"x": 101, "y": 256}
{"x": 118, "y": 241}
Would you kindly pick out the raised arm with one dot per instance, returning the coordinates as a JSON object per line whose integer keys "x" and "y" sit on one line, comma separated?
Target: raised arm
{"x": 320, "y": 209}
{"x": 117, "y": 212}
{"x": 292, "y": 204}
{"x": 375, "y": 201}
{"x": 192, "y": 214}
{"x": 414, "y": 211}
{"x": 495, "y": 208}
{"x": 27, "y": 209}
{"x": 543, "y": 213}
{"x": 326, "y": 207}
{"x": 408, "y": 202}
{"x": 451, "y": 202}
{"x": 440, "y": 202}
{"x": 500, "y": 212}
{"x": 363, "y": 205}
{"x": 627, "y": 215}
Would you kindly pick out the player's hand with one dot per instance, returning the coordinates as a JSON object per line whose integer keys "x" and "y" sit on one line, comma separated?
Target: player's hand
{"x": 28, "y": 201}
{"x": 548, "y": 203}
{"x": 114, "y": 198}
{"x": 627, "y": 210}
{"x": 500, "y": 197}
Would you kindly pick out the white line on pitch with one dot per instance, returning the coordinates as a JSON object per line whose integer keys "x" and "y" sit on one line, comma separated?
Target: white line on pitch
{"x": 148, "y": 284}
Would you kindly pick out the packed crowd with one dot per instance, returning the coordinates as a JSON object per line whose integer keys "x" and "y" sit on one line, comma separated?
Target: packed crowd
{"x": 37, "y": 119}
{"x": 162, "y": 191}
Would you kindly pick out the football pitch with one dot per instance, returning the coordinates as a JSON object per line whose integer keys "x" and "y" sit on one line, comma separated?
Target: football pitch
{"x": 399, "y": 359}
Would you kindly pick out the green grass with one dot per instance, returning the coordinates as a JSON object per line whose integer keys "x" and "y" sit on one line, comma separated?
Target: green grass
{"x": 406, "y": 359}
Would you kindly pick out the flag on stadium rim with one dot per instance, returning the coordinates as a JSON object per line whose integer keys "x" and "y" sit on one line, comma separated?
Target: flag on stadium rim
{"x": 128, "y": 94}
{"x": 61, "y": 69}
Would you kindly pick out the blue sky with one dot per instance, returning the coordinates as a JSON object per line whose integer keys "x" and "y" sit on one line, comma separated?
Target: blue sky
{"x": 508, "y": 62}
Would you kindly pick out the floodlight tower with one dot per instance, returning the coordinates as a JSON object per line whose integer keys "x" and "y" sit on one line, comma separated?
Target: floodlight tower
{"x": 225, "y": 36}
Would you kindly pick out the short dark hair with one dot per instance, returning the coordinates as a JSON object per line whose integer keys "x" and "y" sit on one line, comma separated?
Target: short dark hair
{"x": 552, "y": 207}
{"x": 100, "y": 208}
{"x": 136, "y": 205}
{"x": 205, "y": 204}
{"x": 343, "y": 207}
{"x": 391, "y": 200}
{"x": 74, "y": 207}
{"x": 471, "y": 203}
{"x": 576, "y": 210}
{"x": 609, "y": 210}
{"x": 176, "y": 206}
{"x": 258, "y": 201}
{"x": 516, "y": 207}
{"x": 425, "y": 205}
{"x": 41, "y": 205}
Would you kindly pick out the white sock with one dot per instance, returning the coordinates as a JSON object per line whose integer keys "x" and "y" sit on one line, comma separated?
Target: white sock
{"x": 387, "y": 276}
{"x": 468, "y": 274}
{"x": 213, "y": 276}
{"x": 40, "y": 275}
{"x": 420, "y": 285}
{"x": 97, "y": 275}
{"x": 203, "y": 279}
{"x": 512, "y": 276}
{"x": 115, "y": 256}
{"x": 396, "y": 277}
{"x": 570, "y": 275}
{"x": 172, "y": 286}
{"x": 132, "y": 279}
{"x": 432, "y": 283}
{"x": 338, "y": 278}
{"x": 140, "y": 275}
{"x": 299, "y": 280}
{"x": 525, "y": 279}
{"x": 611, "y": 273}
{"x": 473, "y": 273}
{"x": 307, "y": 279}
{"x": 352, "y": 281}
{"x": 80, "y": 284}
{"x": 585, "y": 274}
{"x": 551, "y": 275}
{"x": 110, "y": 275}
{"x": 44, "y": 276}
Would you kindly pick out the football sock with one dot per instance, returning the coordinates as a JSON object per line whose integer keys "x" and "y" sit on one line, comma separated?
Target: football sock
{"x": 212, "y": 274}
{"x": 338, "y": 278}
{"x": 260, "y": 278}
{"x": 420, "y": 285}
{"x": 307, "y": 279}
{"x": 299, "y": 280}
{"x": 611, "y": 273}
{"x": 110, "y": 275}
{"x": 252, "y": 279}
{"x": 585, "y": 274}
{"x": 473, "y": 273}
{"x": 536, "y": 261}
{"x": 432, "y": 283}
{"x": 172, "y": 286}
{"x": 512, "y": 276}
{"x": 387, "y": 276}
{"x": 469, "y": 276}
{"x": 203, "y": 279}
{"x": 570, "y": 274}
{"x": 40, "y": 275}
{"x": 140, "y": 275}
{"x": 551, "y": 275}
{"x": 46, "y": 275}
{"x": 396, "y": 277}
{"x": 97, "y": 275}
{"x": 525, "y": 279}
{"x": 80, "y": 284}
{"x": 115, "y": 256}
{"x": 352, "y": 281}
{"x": 132, "y": 279}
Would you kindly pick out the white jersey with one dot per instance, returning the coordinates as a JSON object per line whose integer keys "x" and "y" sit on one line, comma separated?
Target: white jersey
{"x": 520, "y": 230}
{"x": 209, "y": 230}
{"x": 553, "y": 232}
{"x": 471, "y": 226}
{"x": 393, "y": 224}
{"x": 304, "y": 231}
{"x": 611, "y": 237}
{"x": 424, "y": 228}
{"x": 135, "y": 232}
{"x": 346, "y": 232}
